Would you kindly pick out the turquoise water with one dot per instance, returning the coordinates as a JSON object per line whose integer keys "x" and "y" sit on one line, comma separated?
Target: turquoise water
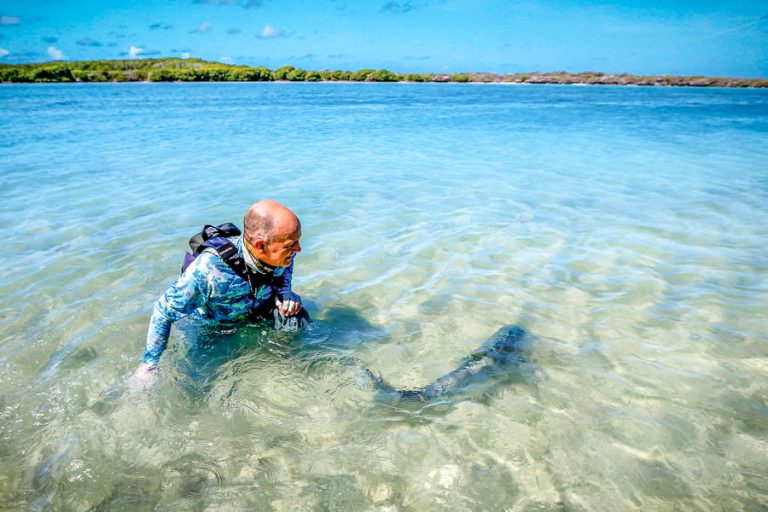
{"x": 625, "y": 228}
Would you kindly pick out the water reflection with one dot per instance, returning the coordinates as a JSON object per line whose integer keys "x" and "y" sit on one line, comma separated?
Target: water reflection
{"x": 204, "y": 358}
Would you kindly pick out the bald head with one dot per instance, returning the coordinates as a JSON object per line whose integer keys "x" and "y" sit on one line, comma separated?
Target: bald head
{"x": 269, "y": 220}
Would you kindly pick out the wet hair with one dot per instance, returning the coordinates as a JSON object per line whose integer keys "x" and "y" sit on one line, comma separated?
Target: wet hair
{"x": 258, "y": 226}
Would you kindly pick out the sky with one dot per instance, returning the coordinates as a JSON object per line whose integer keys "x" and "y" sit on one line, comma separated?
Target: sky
{"x": 650, "y": 37}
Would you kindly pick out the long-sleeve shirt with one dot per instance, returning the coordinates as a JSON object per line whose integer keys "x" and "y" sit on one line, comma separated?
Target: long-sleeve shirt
{"x": 215, "y": 293}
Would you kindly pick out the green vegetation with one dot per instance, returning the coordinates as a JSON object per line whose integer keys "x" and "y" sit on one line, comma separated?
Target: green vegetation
{"x": 337, "y": 75}
{"x": 413, "y": 77}
{"x": 382, "y": 75}
{"x": 296, "y": 75}
{"x": 153, "y": 70}
{"x": 360, "y": 75}
{"x": 282, "y": 73}
{"x": 197, "y": 70}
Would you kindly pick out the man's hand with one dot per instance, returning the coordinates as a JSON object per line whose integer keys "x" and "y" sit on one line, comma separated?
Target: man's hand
{"x": 145, "y": 376}
{"x": 289, "y": 305}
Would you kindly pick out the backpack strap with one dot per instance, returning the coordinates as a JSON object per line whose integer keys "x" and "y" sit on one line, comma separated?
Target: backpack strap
{"x": 228, "y": 253}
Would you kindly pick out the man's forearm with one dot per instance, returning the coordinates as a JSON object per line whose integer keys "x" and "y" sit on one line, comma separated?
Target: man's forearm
{"x": 178, "y": 301}
{"x": 157, "y": 336}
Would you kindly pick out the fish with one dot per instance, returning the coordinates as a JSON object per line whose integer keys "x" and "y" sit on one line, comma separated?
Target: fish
{"x": 494, "y": 356}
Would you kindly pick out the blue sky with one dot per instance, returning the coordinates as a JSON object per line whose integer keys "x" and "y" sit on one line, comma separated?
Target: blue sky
{"x": 685, "y": 37}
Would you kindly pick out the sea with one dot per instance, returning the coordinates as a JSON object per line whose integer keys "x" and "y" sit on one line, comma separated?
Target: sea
{"x": 624, "y": 229}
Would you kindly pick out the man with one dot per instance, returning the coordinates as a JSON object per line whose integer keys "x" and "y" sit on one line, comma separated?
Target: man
{"x": 214, "y": 292}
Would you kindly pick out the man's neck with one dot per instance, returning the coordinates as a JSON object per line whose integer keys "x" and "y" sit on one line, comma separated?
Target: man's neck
{"x": 254, "y": 264}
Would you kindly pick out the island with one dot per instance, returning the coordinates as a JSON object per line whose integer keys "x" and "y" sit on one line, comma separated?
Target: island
{"x": 198, "y": 70}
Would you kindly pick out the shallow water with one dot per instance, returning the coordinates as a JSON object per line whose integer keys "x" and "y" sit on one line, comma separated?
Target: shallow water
{"x": 624, "y": 228}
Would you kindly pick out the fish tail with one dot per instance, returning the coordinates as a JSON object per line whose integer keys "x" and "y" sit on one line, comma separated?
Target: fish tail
{"x": 387, "y": 391}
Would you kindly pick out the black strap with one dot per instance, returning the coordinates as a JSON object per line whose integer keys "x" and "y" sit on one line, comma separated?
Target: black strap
{"x": 228, "y": 253}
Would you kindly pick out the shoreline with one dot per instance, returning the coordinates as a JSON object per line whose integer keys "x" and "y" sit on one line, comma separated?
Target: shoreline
{"x": 197, "y": 70}
{"x": 404, "y": 82}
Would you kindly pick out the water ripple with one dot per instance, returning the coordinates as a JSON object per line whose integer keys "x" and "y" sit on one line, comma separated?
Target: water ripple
{"x": 623, "y": 227}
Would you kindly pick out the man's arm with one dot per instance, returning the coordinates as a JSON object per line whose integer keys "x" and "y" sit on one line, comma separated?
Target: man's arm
{"x": 288, "y": 302}
{"x": 188, "y": 293}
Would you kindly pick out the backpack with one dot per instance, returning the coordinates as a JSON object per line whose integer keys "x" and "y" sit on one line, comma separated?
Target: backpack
{"x": 215, "y": 237}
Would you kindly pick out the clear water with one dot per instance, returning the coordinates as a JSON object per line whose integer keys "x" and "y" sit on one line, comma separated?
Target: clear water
{"x": 625, "y": 228}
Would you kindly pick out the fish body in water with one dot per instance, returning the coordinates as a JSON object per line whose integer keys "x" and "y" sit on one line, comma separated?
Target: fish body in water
{"x": 497, "y": 352}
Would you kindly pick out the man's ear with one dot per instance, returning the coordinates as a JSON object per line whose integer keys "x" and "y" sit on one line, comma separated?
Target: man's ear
{"x": 260, "y": 246}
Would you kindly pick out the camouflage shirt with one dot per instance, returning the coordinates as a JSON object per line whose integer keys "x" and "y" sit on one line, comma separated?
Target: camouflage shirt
{"x": 212, "y": 291}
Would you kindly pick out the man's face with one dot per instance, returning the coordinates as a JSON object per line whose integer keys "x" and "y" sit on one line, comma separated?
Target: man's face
{"x": 279, "y": 252}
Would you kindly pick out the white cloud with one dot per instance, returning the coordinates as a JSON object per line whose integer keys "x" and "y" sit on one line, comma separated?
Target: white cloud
{"x": 134, "y": 51}
{"x": 3, "y": 52}
{"x": 270, "y": 31}
{"x": 226, "y": 59}
{"x": 203, "y": 27}
{"x": 185, "y": 55}
{"x": 56, "y": 54}
{"x": 10, "y": 20}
